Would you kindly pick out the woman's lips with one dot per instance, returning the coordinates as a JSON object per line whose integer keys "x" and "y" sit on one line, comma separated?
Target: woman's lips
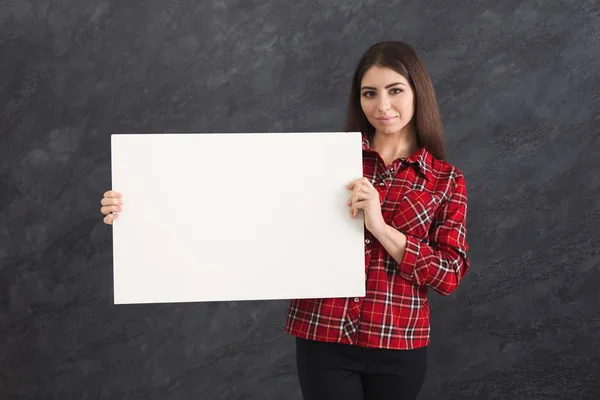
{"x": 386, "y": 120}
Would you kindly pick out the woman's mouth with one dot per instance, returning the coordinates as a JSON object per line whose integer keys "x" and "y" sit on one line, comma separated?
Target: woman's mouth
{"x": 386, "y": 120}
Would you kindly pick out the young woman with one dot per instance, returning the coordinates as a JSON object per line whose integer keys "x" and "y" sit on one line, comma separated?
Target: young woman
{"x": 414, "y": 204}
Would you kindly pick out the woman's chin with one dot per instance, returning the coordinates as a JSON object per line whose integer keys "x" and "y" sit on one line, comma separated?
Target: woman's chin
{"x": 388, "y": 129}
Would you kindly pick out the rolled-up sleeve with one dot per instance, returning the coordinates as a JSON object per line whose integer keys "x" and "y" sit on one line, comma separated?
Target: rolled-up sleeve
{"x": 442, "y": 261}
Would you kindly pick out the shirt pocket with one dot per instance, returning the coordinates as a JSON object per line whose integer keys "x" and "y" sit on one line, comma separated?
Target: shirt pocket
{"x": 414, "y": 212}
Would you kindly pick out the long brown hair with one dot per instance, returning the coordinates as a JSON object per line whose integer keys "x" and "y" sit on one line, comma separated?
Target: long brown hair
{"x": 403, "y": 59}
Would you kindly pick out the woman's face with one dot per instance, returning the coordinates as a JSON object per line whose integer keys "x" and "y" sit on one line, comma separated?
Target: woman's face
{"x": 387, "y": 100}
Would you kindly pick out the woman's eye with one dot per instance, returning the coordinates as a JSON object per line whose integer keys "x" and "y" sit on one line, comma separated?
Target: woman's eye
{"x": 396, "y": 91}
{"x": 369, "y": 93}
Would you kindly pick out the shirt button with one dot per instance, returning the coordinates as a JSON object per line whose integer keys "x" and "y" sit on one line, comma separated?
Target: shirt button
{"x": 382, "y": 184}
{"x": 367, "y": 241}
{"x": 356, "y": 299}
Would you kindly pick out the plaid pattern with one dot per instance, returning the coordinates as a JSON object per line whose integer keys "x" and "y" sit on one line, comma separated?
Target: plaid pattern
{"x": 426, "y": 199}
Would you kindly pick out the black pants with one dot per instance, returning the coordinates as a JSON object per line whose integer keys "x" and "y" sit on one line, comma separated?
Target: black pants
{"x": 331, "y": 371}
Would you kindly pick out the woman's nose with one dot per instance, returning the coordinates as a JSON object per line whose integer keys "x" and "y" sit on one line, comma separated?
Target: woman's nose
{"x": 383, "y": 104}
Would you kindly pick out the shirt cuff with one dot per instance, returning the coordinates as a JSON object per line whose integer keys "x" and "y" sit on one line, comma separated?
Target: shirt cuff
{"x": 408, "y": 264}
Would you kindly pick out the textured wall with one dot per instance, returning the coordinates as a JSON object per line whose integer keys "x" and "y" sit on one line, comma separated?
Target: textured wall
{"x": 518, "y": 85}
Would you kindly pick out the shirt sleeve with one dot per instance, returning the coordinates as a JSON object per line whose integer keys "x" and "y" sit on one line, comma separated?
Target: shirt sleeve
{"x": 442, "y": 262}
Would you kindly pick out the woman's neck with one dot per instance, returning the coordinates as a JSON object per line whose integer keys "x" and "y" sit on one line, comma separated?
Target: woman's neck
{"x": 392, "y": 146}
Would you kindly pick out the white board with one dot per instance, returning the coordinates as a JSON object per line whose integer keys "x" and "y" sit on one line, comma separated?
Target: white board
{"x": 229, "y": 217}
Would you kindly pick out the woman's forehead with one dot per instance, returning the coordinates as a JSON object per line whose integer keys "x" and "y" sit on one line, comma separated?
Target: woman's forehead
{"x": 382, "y": 76}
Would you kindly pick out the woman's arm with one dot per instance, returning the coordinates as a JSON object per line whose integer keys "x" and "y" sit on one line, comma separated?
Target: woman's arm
{"x": 443, "y": 262}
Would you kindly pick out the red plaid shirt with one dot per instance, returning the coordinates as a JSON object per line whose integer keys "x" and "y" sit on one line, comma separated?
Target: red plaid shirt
{"x": 426, "y": 199}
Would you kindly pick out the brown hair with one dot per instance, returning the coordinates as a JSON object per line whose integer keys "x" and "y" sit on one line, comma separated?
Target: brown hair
{"x": 403, "y": 59}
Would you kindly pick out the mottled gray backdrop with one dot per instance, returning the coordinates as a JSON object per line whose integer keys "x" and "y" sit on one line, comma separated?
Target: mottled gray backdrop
{"x": 518, "y": 86}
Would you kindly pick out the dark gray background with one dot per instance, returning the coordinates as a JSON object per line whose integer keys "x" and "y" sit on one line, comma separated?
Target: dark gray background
{"x": 518, "y": 85}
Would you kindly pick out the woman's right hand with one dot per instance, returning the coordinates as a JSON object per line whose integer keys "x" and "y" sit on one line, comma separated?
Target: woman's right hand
{"x": 111, "y": 203}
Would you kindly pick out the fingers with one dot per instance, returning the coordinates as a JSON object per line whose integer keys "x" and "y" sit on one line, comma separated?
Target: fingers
{"x": 366, "y": 190}
{"x": 360, "y": 205}
{"x": 367, "y": 183}
{"x": 360, "y": 182}
{"x": 113, "y": 193}
{"x": 358, "y": 196}
{"x": 110, "y": 218}
{"x": 111, "y": 204}
{"x": 357, "y": 182}
{"x": 352, "y": 184}
{"x": 370, "y": 184}
{"x": 111, "y": 209}
{"x": 111, "y": 201}
{"x": 361, "y": 192}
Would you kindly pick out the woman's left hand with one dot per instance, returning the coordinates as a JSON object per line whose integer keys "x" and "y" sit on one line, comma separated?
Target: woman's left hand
{"x": 365, "y": 197}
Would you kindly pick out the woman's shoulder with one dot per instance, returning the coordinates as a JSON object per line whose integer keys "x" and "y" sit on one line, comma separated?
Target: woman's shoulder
{"x": 444, "y": 170}
{"x": 448, "y": 180}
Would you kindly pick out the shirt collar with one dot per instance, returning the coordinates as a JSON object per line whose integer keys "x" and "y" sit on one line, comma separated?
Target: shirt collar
{"x": 422, "y": 158}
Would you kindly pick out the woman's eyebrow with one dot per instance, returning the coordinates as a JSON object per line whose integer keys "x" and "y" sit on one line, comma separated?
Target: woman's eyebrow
{"x": 387, "y": 87}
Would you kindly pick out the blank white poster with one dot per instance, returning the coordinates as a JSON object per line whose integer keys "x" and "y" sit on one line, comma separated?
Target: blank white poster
{"x": 229, "y": 217}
